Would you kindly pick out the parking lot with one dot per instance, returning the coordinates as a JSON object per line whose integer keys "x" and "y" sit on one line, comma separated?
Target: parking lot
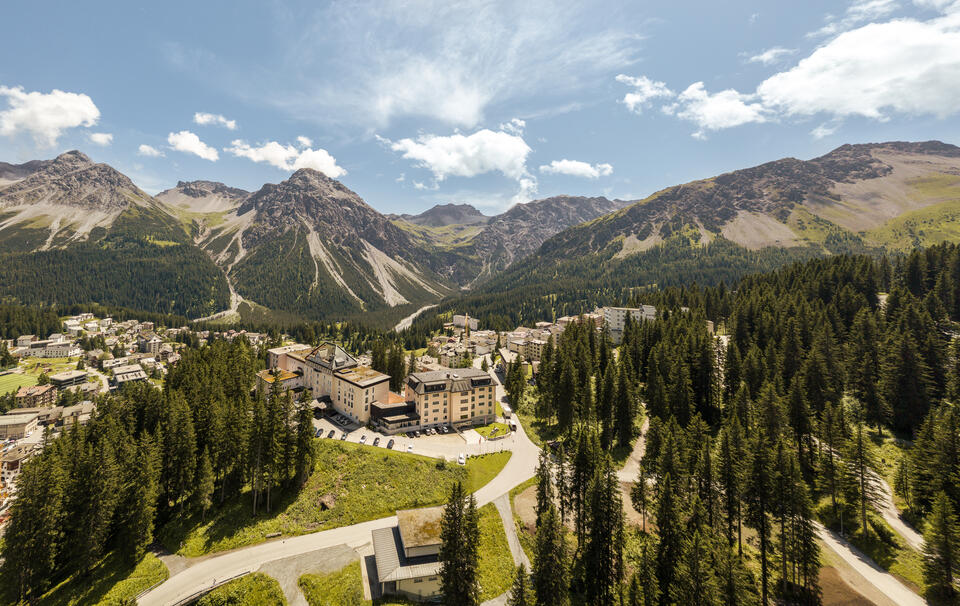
{"x": 447, "y": 446}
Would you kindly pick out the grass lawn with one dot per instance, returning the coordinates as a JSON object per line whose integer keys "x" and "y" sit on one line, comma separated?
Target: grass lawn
{"x": 344, "y": 587}
{"x": 255, "y": 589}
{"x": 890, "y": 451}
{"x": 493, "y": 429}
{"x": 527, "y": 538}
{"x": 112, "y": 581}
{"x": 366, "y": 483}
{"x": 37, "y": 366}
{"x": 341, "y": 588}
{"x": 14, "y": 381}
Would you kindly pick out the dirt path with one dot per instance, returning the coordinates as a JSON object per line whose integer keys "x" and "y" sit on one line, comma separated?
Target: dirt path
{"x": 891, "y": 514}
{"x": 631, "y": 467}
{"x": 876, "y": 576}
{"x": 502, "y": 503}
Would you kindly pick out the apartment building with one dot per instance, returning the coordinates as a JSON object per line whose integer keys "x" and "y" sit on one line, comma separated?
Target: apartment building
{"x": 357, "y": 389}
{"x": 459, "y": 397}
{"x": 18, "y": 425}
{"x": 36, "y": 395}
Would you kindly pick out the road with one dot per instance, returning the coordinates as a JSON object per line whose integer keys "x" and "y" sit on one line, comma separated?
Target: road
{"x": 204, "y": 574}
{"x": 891, "y": 514}
{"x": 885, "y": 582}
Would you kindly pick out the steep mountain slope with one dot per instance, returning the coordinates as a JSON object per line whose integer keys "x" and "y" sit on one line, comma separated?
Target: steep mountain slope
{"x": 468, "y": 253}
{"x": 73, "y": 231}
{"x": 443, "y": 215}
{"x": 856, "y": 198}
{"x": 308, "y": 246}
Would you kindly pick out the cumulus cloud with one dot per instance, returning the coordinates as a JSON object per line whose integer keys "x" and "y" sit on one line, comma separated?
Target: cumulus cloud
{"x": 304, "y": 141}
{"x": 771, "y": 55}
{"x": 459, "y": 155}
{"x": 45, "y": 115}
{"x": 645, "y": 90}
{"x": 576, "y": 168}
{"x": 190, "y": 143}
{"x": 149, "y": 151}
{"x": 205, "y": 119}
{"x": 902, "y": 66}
{"x": 102, "y": 139}
{"x": 515, "y": 126}
{"x": 715, "y": 111}
{"x": 288, "y": 157}
{"x": 906, "y": 66}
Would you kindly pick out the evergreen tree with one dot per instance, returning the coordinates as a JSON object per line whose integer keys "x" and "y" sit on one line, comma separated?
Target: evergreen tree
{"x": 696, "y": 582}
{"x": 603, "y": 552}
{"x": 941, "y": 563}
{"x": 460, "y": 549}
{"x": 520, "y": 594}
{"x": 550, "y": 568}
{"x": 203, "y": 489}
{"x": 305, "y": 454}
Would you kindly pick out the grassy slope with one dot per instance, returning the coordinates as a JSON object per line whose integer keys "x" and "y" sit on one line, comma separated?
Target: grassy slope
{"x": 255, "y": 589}
{"x": 368, "y": 483}
{"x": 112, "y": 581}
{"x": 13, "y": 382}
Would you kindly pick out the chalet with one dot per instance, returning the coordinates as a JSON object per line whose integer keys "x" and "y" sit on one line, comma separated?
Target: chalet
{"x": 407, "y": 555}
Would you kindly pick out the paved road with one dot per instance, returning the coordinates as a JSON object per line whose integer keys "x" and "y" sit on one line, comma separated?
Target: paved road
{"x": 871, "y": 571}
{"x": 891, "y": 514}
{"x": 203, "y": 575}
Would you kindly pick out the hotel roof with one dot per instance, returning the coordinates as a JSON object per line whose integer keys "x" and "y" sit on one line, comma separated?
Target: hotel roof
{"x": 362, "y": 376}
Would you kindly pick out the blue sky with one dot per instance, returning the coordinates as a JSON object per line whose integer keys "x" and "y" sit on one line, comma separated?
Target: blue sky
{"x": 415, "y": 103}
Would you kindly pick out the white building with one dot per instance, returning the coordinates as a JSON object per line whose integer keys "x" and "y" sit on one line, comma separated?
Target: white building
{"x": 616, "y": 317}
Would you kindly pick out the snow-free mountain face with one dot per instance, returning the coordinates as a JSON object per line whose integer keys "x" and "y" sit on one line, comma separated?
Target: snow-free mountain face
{"x": 443, "y": 215}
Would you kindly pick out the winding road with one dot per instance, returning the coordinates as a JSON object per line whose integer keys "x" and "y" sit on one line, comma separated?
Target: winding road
{"x": 202, "y": 574}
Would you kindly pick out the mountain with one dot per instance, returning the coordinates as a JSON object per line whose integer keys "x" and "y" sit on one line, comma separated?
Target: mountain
{"x": 443, "y": 215}
{"x": 468, "y": 253}
{"x": 857, "y": 198}
{"x": 74, "y": 231}
{"x": 307, "y": 246}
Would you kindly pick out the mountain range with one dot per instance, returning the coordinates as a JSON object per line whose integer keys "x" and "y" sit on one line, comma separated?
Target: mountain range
{"x": 72, "y": 230}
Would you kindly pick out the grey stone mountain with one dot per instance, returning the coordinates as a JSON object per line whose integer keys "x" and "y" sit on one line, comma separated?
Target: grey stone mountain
{"x": 443, "y": 215}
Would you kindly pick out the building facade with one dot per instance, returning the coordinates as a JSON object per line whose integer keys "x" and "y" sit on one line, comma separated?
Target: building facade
{"x": 461, "y": 397}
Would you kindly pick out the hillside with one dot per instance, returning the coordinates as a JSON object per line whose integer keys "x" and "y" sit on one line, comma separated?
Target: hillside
{"x": 74, "y": 231}
{"x": 857, "y": 198}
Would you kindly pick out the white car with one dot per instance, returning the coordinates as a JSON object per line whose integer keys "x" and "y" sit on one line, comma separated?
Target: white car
{"x": 363, "y": 439}
{"x": 409, "y": 447}
{"x": 462, "y": 459}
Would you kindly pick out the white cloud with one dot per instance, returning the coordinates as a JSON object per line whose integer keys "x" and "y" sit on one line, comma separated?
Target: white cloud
{"x": 103, "y": 139}
{"x": 149, "y": 151}
{"x": 858, "y": 13}
{"x": 716, "y": 111}
{"x": 287, "y": 157}
{"x": 188, "y": 142}
{"x": 824, "y": 130}
{"x": 467, "y": 156}
{"x": 906, "y": 66}
{"x": 304, "y": 141}
{"x": 458, "y": 155}
{"x": 771, "y": 55}
{"x": 45, "y": 115}
{"x": 448, "y": 61}
{"x": 205, "y": 119}
{"x": 645, "y": 90}
{"x": 515, "y": 126}
{"x": 576, "y": 168}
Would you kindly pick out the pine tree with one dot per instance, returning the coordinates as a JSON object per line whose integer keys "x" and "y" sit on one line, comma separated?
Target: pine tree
{"x": 520, "y": 594}
{"x": 696, "y": 582}
{"x": 625, "y": 407}
{"x": 551, "y": 580}
{"x": 603, "y": 552}
{"x": 758, "y": 498}
{"x": 544, "y": 478}
{"x": 460, "y": 549}
{"x": 941, "y": 541}
{"x": 670, "y": 545}
{"x": 139, "y": 501}
{"x": 861, "y": 462}
{"x": 305, "y": 454}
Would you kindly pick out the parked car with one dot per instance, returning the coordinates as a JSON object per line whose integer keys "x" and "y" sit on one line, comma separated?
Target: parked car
{"x": 390, "y": 443}
{"x": 363, "y": 439}
{"x": 462, "y": 459}
{"x": 330, "y": 435}
{"x": 344, "y": 436}
{"x": 429, "y": 431}
{"x": 416, "y": 434}
{"x": 409, "y": 447}
{"x": 376, "y": 441}
{"x": 317, "y": 435}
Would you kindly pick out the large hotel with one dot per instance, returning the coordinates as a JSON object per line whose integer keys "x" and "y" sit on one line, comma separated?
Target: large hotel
{"x": 461, "y": 397}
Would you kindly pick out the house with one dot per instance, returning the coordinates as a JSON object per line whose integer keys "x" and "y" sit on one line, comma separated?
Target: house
{"x": 17, "y": 425}
{"x": 77, "y": 414}
{"x": 395, "y": 415}
{"x": 149, "y": 343}
{"x": 36, "y": 395}
{"x": 25, "y": 340}
{"x": 11, "y": 463}
{"x": 464, "y": 396}
{"x": 407, "y": 555}
{"x": 127, "y": 374}
{"x": 69, "y": 378}
{"x": 46, "y": 415}
{"x": 284, "y": 379}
